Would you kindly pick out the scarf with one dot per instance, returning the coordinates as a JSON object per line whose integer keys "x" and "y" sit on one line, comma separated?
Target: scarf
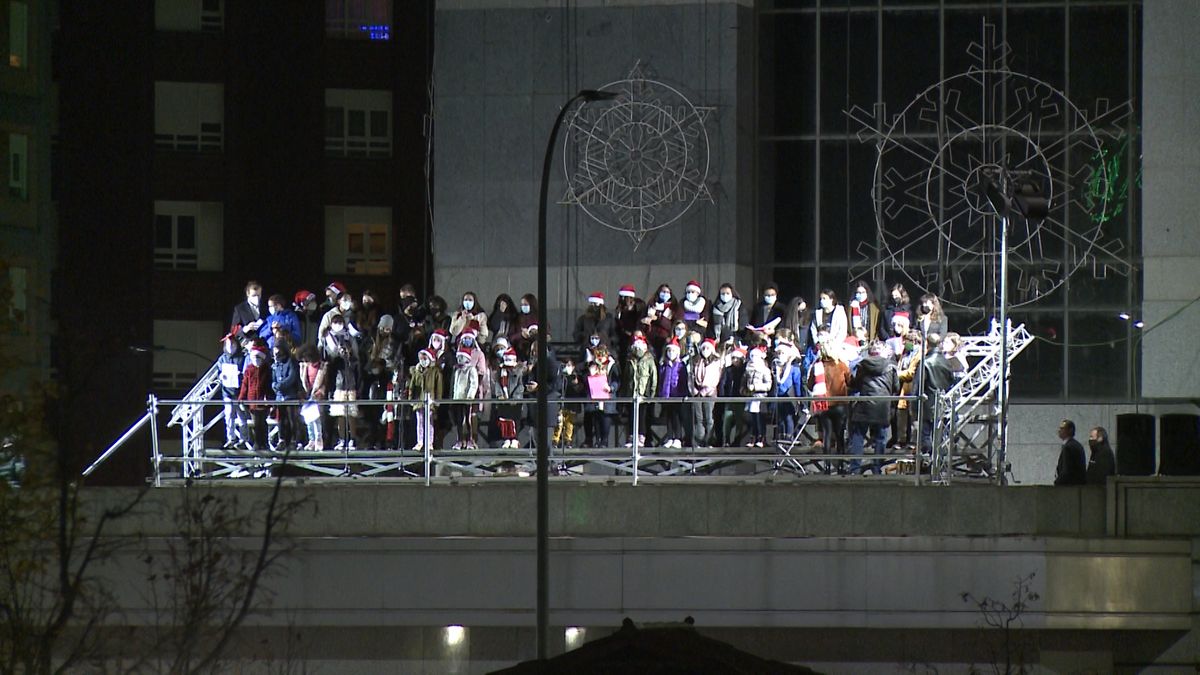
{"x": 818, "y": 389}
{"x": 856, "y": 315}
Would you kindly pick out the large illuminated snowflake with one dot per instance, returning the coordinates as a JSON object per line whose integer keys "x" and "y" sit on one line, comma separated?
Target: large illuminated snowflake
{"x": 639, "y": 163}
{"x": 934, "y": 228}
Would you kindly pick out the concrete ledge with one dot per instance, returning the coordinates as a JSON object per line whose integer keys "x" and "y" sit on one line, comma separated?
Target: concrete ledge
{"x": 1147, "y": 507}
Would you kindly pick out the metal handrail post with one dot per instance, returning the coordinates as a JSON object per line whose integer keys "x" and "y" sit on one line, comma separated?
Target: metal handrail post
{"x": 152, "y": 408}
{"x": 635, "y": 424}
{"x": 427, "y": 446}
{"x": 917, "y": 452}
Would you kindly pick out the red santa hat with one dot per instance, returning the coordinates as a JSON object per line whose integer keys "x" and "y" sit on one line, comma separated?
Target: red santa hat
{"x": 692, "y": 284}
{"x": 469, "y": 332}
{"x": 627, "y": 291}
{"x": 739, "y": 352}
{"x": 428, "y": 352}
{"x": 901, "y": 314}
{"x": 673, "y": 343}
{"x": 439, "y": 333}
{"x": 510, "y": 353}
{"x": 337, "y": 287}
{"x": 464, "y": 350}
{"x": 596, "y": 298}
{"x": 709, "y": 341}
{"x": 258, "y": 347}
{"x": 640, "y": 341}
{"x": 302, "y": 297}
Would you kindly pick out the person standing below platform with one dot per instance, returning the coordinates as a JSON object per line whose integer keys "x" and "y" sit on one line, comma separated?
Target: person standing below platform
{"x": 1072, "y": 462}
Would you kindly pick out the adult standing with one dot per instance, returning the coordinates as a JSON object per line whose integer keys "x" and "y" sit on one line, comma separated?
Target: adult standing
{"x": 1072, "y": 462}
{"x": 248, "y": 316}
{"x": 1102, "y": 463}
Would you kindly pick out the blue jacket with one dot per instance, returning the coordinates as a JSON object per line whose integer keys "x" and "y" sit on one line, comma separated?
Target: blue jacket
{"x": 672, "y": 379}
{"x": 792, "y": 382}
{"x": 290, "y": 322}
{"x": 285, "y": 380}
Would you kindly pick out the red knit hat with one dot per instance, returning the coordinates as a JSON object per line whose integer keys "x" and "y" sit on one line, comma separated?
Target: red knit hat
{"x": 627, "y": 291}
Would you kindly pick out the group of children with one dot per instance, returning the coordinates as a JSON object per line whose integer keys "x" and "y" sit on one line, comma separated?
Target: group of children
{"x": 431, "y": 371}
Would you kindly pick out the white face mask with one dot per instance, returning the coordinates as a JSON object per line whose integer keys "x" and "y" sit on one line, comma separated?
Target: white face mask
{"x": 524, "y": 309}
{"x": 769, "y": 299}
{"x": 826, "y": 304}
{"x": 861, "y": 297}
{"x": 680, "y": 332}
{"x": 595, "y": 342}
{"x": 692, "y": 295}
{"x": 253, "y": 299}
{"x": 463, "y": 359}
{"x": 664, "y": 296}
{"x": 672, "y": 353}
{"x": 468, "y": 304}
{"x": 425, "y": 362}
{"x": 347, "y": 305}
{"x": 802, "y": 306}
{"x": 727, "y": 297}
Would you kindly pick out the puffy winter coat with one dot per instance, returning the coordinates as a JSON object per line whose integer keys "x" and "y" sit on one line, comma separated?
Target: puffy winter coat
{"x": 672, "y": 379}
{"x": 875, "y": 376}
{"x": 285, "y": 380}
{"x": 757, "y": 380}
{"x": 641, "y": 376}
{"x": 466, "y": 383}
{"x": 704, "y": 376}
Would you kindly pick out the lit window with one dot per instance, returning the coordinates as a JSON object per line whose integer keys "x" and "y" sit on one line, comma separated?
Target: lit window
{"x": 187, "y": 235}
{"x": 189, "y": 116}
{"x": 358, "y": 123}
{"x": 18, "y": 166}
{"x": 358, "y": 240}
{"x": 18, "y": 34}
{"x": 359, "y": 19}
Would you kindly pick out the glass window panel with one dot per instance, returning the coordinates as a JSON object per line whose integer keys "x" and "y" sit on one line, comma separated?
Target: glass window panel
{"x": 355, "y": 243}
{"x": 1099, "y": 365}
{"x": 356, "y": 123}
{"x": 848, "y": 67}
{"x": 909, "y": 65}
{"x": 163, "y": 232}
{"x": 794, "y": 203}
{"x": 1036, "y": 39}
{"x": 379, "y": 123}
{"x": 185, "y": 232}
{"x": 837, "y": 244}
{"x": 792, "y": 281}
{"x": 378, "y": 243}
{"x": 1099, "y": 55}
{"x": 792, "y": 76}
{"x": 1037, "y": 372}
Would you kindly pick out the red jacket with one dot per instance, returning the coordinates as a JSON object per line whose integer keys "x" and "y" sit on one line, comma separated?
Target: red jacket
{"x": 255, "y": 385}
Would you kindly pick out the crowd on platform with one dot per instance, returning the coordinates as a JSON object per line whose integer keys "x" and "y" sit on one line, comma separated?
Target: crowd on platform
{"x": 345, "y": 349}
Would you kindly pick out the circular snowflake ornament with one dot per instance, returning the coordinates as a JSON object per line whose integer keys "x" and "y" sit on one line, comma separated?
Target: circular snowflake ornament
{"x": 933, "y": 224}
{"x": 640, "y": 162}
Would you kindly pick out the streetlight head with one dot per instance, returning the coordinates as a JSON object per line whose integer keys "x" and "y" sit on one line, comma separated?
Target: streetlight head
{"x": 590, "y": 95}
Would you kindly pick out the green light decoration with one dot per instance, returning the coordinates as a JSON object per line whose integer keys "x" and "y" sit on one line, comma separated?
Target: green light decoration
{"x": 1109, "y": 182}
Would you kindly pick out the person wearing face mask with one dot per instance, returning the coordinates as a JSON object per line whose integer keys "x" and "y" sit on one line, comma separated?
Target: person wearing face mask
{"x": 695, "y": 308}
{"x": 661, "y": 312}
{"x": 367, "y": 315}
{"x": 796, "y": 319}
{"x": 757, "y": 382}
{"x": 304, "y": 304}
{"x": 256, "y": 386}
{"x": 640, "y": 379}
{"x": 897, "y": 303}
{"x": 672, "y": 383}
{"x": 789, "y": 382}
{"x": 900, "y": 327}
{"x": 332, "y": 292}
{"x": 930, "y": 318}
{"x": 435, "y": 315}
{"x": 908, "y": 357}
{"x": 508, "y": 383}
{"x": 704, "y": 379}
{"x": 679, "y": 333}
{"x": 424, "y": 380}
{"x": 726, "y": 315}
{"x": 728, "y": 418}
{"x": 285, "y": 382}
{"x": 343, "y": 309}
{"x": 281, "y": 317}
{"x": 503, "y": 322}
{"x": 249, "y": 316}
{"x": 603, "y": 381}
{"x": 527, "y": 318}
{"x": 830, "y": 376}
{"x": 596, "y": 322}
{"x": 470, "y": 311}
{"x": 342, "y": 353}
{"x": 1102, "y": 462}
{"x": 831, "y": 317}
{"x": 767, "y": 314}
{"x": 630, "y": 312}
{"x": 229, "y": 367}
{"x": 865, "y": 317}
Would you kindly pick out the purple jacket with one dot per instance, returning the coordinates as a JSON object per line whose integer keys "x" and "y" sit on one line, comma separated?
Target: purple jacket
{"x": 672, "y": 379}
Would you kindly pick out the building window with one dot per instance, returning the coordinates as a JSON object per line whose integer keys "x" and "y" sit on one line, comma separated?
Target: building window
{"x": 18, "y": 34}
{"x": 18, "y": 307}
{"x": 358, "y": 123}
{"x": 182, "y": 352}
{"x": 359, "y": 19}
{"x": 188, "y": 235}
{"x": 189, "y": 116}
{"x": 18, "y": 166}
{"x": 358, "y": 240}
{"x": 207, "y": 16}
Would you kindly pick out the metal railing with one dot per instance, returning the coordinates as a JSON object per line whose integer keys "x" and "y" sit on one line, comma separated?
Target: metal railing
{"x": 200, "y": 455}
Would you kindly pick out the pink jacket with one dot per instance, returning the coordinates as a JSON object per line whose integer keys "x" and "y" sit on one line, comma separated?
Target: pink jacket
{"x": 705, "y": 376}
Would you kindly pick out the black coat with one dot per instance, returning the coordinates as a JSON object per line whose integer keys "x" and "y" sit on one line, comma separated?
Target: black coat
{"x": 606, "y": 328}
{"x": 1102, "y": 464}
{"x": 244, "y": 314}
{"x": 1072, "y": 464}
{"x": 875, "y": 376}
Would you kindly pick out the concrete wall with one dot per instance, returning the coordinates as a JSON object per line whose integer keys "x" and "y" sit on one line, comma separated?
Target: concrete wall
{"x": 502, "y": 71}
{"x": 1171, "y": 202}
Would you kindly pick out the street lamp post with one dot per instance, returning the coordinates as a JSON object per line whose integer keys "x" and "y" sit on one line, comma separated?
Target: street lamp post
{"x": 542, "y": 416}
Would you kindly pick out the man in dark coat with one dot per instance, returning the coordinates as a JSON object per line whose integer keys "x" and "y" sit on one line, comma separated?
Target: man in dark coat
{"x": 936, "y": 376}
{"x": 876, "y": 376}
{"x": 1102, "y": 463}
{"x": 248, "y": 315}
{"x": 1072, "y": 462}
